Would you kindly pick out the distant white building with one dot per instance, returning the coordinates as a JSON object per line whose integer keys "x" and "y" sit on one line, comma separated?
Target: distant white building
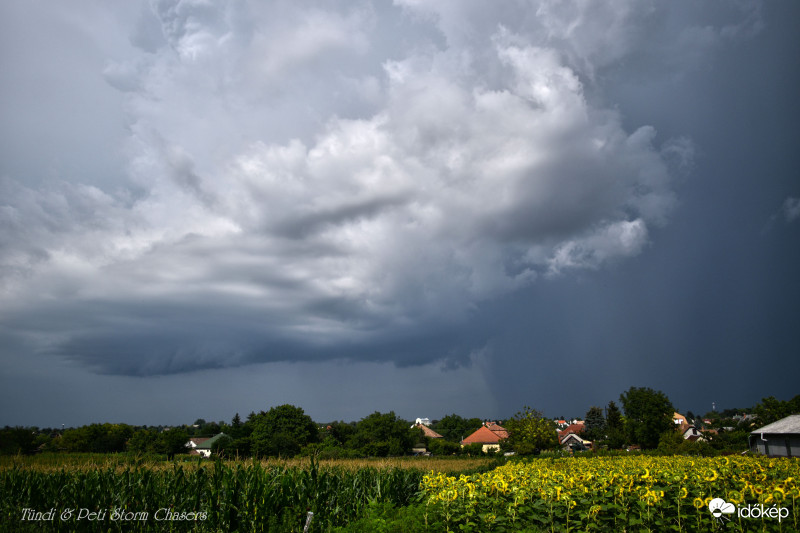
{"x": 423, "y": 421}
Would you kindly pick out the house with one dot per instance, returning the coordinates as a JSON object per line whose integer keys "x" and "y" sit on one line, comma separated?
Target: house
{"x": 427, "y": 432}
{"x": 779, "y": 439}
{"x": 679, "y": 419}
{"x": 488, "y": 436}
{"x": 688, "y": 431}
{"x": 423, "y": 421}
{"x": 202, "y": 445}
{"x": 420, "y": 448}
{"x": 193, "y": 443}
{"x": 570, "y": 436}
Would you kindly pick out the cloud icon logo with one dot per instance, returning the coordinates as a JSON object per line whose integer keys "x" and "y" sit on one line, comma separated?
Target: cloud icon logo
{"x": 718, "y": 507}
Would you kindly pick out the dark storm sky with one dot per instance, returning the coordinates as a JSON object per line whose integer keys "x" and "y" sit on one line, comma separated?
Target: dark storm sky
{"x": 422, "y": 207}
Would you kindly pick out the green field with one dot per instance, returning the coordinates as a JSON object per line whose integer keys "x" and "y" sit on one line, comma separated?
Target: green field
{"x": 74, "y": 492}
{"x": 85, "y": 492}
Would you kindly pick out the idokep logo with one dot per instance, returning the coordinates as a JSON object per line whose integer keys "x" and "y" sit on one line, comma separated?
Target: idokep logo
{"x": 719, "y": 508}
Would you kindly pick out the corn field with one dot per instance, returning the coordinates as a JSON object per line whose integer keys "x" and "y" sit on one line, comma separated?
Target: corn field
{"x": 207, "y": 496}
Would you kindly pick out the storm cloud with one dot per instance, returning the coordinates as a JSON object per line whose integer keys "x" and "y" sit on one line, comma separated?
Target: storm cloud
{"x": 448, "y": 174}
{"x": 313, "y": 181}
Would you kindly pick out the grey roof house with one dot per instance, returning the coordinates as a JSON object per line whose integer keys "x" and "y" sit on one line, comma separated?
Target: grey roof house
{"x": 779, "y": 439}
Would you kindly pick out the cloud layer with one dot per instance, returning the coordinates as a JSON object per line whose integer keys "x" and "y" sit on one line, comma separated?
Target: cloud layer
{"x": 312, "y": 181}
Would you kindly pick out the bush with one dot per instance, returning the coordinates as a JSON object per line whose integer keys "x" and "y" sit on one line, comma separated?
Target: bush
{"x": 388, "y": 518}
{"x": 473, "y": 449}
{"x": 673, "y": 443}
{"x": 443, "y": 447}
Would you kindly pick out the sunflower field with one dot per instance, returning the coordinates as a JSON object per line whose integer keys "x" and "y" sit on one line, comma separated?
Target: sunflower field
{"x": 637, "y": 493}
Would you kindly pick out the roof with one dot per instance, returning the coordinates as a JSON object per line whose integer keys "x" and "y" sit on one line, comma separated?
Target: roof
{"x": 573, "y": 437}
{"x": 208, "y": 443}
{"x": 491, "y": 434}
{"x": 572, "y": 428}
{"x": 428, "y": 432}
{"x": 790, "y": 424}
{"x": 198, "y": 440}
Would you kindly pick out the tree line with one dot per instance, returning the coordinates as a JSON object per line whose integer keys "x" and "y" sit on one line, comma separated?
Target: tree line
{"x": 283, "y": 431}
{"x": 644, "y": 420}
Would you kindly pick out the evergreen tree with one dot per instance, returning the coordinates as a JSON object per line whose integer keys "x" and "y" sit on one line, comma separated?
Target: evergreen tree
{"x": 595, "y": 424}
{"x": 615, "y": 429}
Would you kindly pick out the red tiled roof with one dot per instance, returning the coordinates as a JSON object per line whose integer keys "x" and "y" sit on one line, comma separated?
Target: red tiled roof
{"x": 487, "y": 435}
{"x": 428, "y": 432}
{"x": 572, "y": 428}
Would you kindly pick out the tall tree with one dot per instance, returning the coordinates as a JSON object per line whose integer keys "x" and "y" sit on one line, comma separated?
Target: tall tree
{"x": 172, "y": 441}
{"x": 529, "y": 431}
{"x": 337, "y": 434}
{"x": 615, "y": 429}
{"x": 454, "y": 428}
{"x": 648, "y": 415}
{"x": 771, "y": 409}
{"x": 383, "y": 434}
{"x": 595, "y": 424}
{"x": 143, "y": 441}
{"x": 17, "y": 440}
{"x": 282, "y": 430}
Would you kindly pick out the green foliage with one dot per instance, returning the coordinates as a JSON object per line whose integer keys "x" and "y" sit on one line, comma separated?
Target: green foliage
{"x": 143, "y": 442}
{"x": 389, "y": 518}
{"x": 648, "y": 415}
{"x": 224, "y": 447}
{"x": 443, "y": 447}
{"x": 337, "y": 434}
{"x": 209, "y": 428}
{"x": 17, "y": 440}
{"x": 594, "y": 424}
{"x": 455, "y": 428}
{"x": 382, "y": 435}
{"x": 613, "y": 416}
{"x": 282, "y": 431}
{"x": 529, "y": 431}
{"x": 673, "y": 443}
{"x": 171, "y": 442}
{"x": 634, "y": 492}
{"x": 770, "y": 409}
{"x": 731, "y": 441}
{"x": 236, "y": 497}
{"x": 615, "y": 429}
{"x": 96, "y": 438}
{"x": 473, "y": 450}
